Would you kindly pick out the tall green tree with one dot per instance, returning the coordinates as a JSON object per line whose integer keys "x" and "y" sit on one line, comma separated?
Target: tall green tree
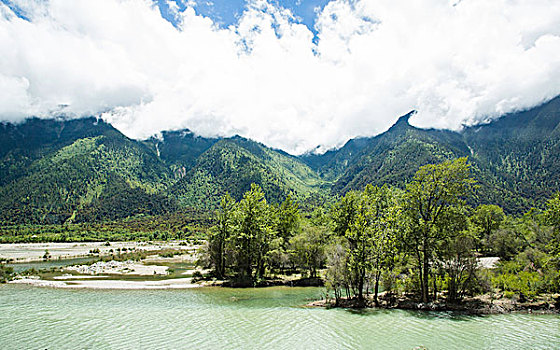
{"x": 308, "y": 248}
{"x": 351, "y": 222}
{"x": 456, "y": 259}
{"x": 220, "y": 235}
{"x": 552, "y": 212}
{"x": 337, "y": 277}
{"x": 383, "y": 213}
{"x": 434, "y": 192}
{"x": 287, "y": 220}
{"x": 367, "y": 221}
{"x": 253, "y": 235}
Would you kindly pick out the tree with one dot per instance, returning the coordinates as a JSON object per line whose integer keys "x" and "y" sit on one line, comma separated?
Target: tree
{"x": 253, "y": 235}
{"x": 287, "y": 219}
{"x": 221, "y": 234}
{"x": 456, "y": 253}
{"x": 435, "y": 190}
{"x": 367, "y": 220}
{"x": 552, "y": 217}
{"x": 351, "y": 222}
{"x": 286, "y": 226}
{"x": 383, "y": 212}
{"x": 487, "y": 218}
{"x": 552, "y": 212}
{"x": 309, "y": 248}
{"x": 337, "y": 277}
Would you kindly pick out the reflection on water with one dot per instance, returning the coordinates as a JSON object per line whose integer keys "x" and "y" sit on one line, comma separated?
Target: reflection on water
{"x": 210, "y": 318}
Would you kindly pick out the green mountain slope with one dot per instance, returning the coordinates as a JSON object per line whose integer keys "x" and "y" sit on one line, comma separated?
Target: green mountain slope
{"x": 516, "y": 159}
{"x": 179, "y": 150}
{"x": 59, "y": 171}
{"x": 22, "y": 144}
{"x": 231, "y": 165}
{"x": 394, "y": 156}
{"x": 331, "y": 164}
{"x": 520, "y": 153}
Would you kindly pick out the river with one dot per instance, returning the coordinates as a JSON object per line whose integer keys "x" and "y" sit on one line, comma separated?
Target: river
{"x": 212, "y": 318}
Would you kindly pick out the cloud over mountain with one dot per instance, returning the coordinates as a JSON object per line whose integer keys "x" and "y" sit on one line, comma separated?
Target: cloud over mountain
{"x": 269, "y": 77}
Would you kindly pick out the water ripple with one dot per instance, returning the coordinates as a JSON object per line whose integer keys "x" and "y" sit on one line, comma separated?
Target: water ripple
{"x": 34, "y": 318}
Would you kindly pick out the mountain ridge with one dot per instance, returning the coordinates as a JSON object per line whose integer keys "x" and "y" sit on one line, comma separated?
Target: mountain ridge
{"x": 59, "y": 170}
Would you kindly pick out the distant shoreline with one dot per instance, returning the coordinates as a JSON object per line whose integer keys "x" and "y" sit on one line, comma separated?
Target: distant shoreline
{"x": 176, "y": 283}
{"x": 16, "y": 253}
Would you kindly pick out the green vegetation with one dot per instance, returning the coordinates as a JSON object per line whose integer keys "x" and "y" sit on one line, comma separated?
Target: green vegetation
{"x": 81, "y": 179}
{"x": 365, "y": 225}
{"x": 232, "y": 165}
{"x": 6, "y": 272}
{"x": 182, "y": 224}
{"x": 253, "y": 238}
{"x": 515, "y": 158}
{"x": 434, "y": 211}
{"x": 425, "y": 240}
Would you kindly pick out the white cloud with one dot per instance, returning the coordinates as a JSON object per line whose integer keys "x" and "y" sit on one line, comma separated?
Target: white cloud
{"x": 266, "y": 79}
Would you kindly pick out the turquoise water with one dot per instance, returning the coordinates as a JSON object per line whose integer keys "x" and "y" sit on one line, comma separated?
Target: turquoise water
{"x": 215, "y": 318}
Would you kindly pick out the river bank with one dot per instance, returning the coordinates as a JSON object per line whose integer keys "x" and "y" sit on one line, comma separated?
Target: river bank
{"x": 33, "y": 252}
{"x": 485, "y": 304}
{"x": 170, "y": 271}
{"x": 80, "y": 283}
{"x": 113, "y": 265}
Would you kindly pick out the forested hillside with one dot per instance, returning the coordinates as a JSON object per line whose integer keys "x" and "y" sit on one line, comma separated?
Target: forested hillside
{"x": 232, "y": 165}
{"x": 84, "y": 170}
{"x": 515, "y": 158}
{"x": 520, "y": 155}
{"x": 77, "y": 170}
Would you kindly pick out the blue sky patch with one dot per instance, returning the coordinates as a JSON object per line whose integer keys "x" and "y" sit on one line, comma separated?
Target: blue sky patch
{"x": 227, "y": 12}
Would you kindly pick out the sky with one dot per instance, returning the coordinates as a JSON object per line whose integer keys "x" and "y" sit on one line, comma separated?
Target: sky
{"x": 295, "y": 75}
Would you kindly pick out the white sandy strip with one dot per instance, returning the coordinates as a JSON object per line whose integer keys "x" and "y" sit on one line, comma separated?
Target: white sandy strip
{"x": 78, "y": 277}
{"x": 27, "y": 252}
{"x": 177, "y": 283}
{"x": 119, "y": 268}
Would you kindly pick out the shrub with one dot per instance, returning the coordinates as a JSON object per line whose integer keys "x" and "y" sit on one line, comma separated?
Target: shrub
{"x": 6, "y": 273}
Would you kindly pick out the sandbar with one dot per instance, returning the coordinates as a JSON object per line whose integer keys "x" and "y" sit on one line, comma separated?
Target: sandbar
{"x": 176, "y": 283}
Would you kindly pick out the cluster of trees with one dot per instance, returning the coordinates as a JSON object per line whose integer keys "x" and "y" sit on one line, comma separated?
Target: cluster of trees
{"x": 253, "y": 239}
{"x": 423, "y": 239}
{"x": 187, "y": 223}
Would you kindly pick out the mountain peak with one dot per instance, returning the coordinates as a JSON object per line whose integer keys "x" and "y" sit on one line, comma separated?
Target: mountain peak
{"x": 403, "y": 120}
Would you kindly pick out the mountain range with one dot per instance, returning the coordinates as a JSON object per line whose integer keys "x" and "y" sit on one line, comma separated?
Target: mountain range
{"x": 81, "y": 170}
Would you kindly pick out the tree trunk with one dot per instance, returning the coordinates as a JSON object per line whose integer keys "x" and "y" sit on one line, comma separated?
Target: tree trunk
{"x": 360, "y": 288}
{"x": 221, "y": 268}
{"x": 420, "y": 274}
{"x": 376, "y": 289}
{"x": 435, "y": 286}
{"x": 426, "y": 267}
